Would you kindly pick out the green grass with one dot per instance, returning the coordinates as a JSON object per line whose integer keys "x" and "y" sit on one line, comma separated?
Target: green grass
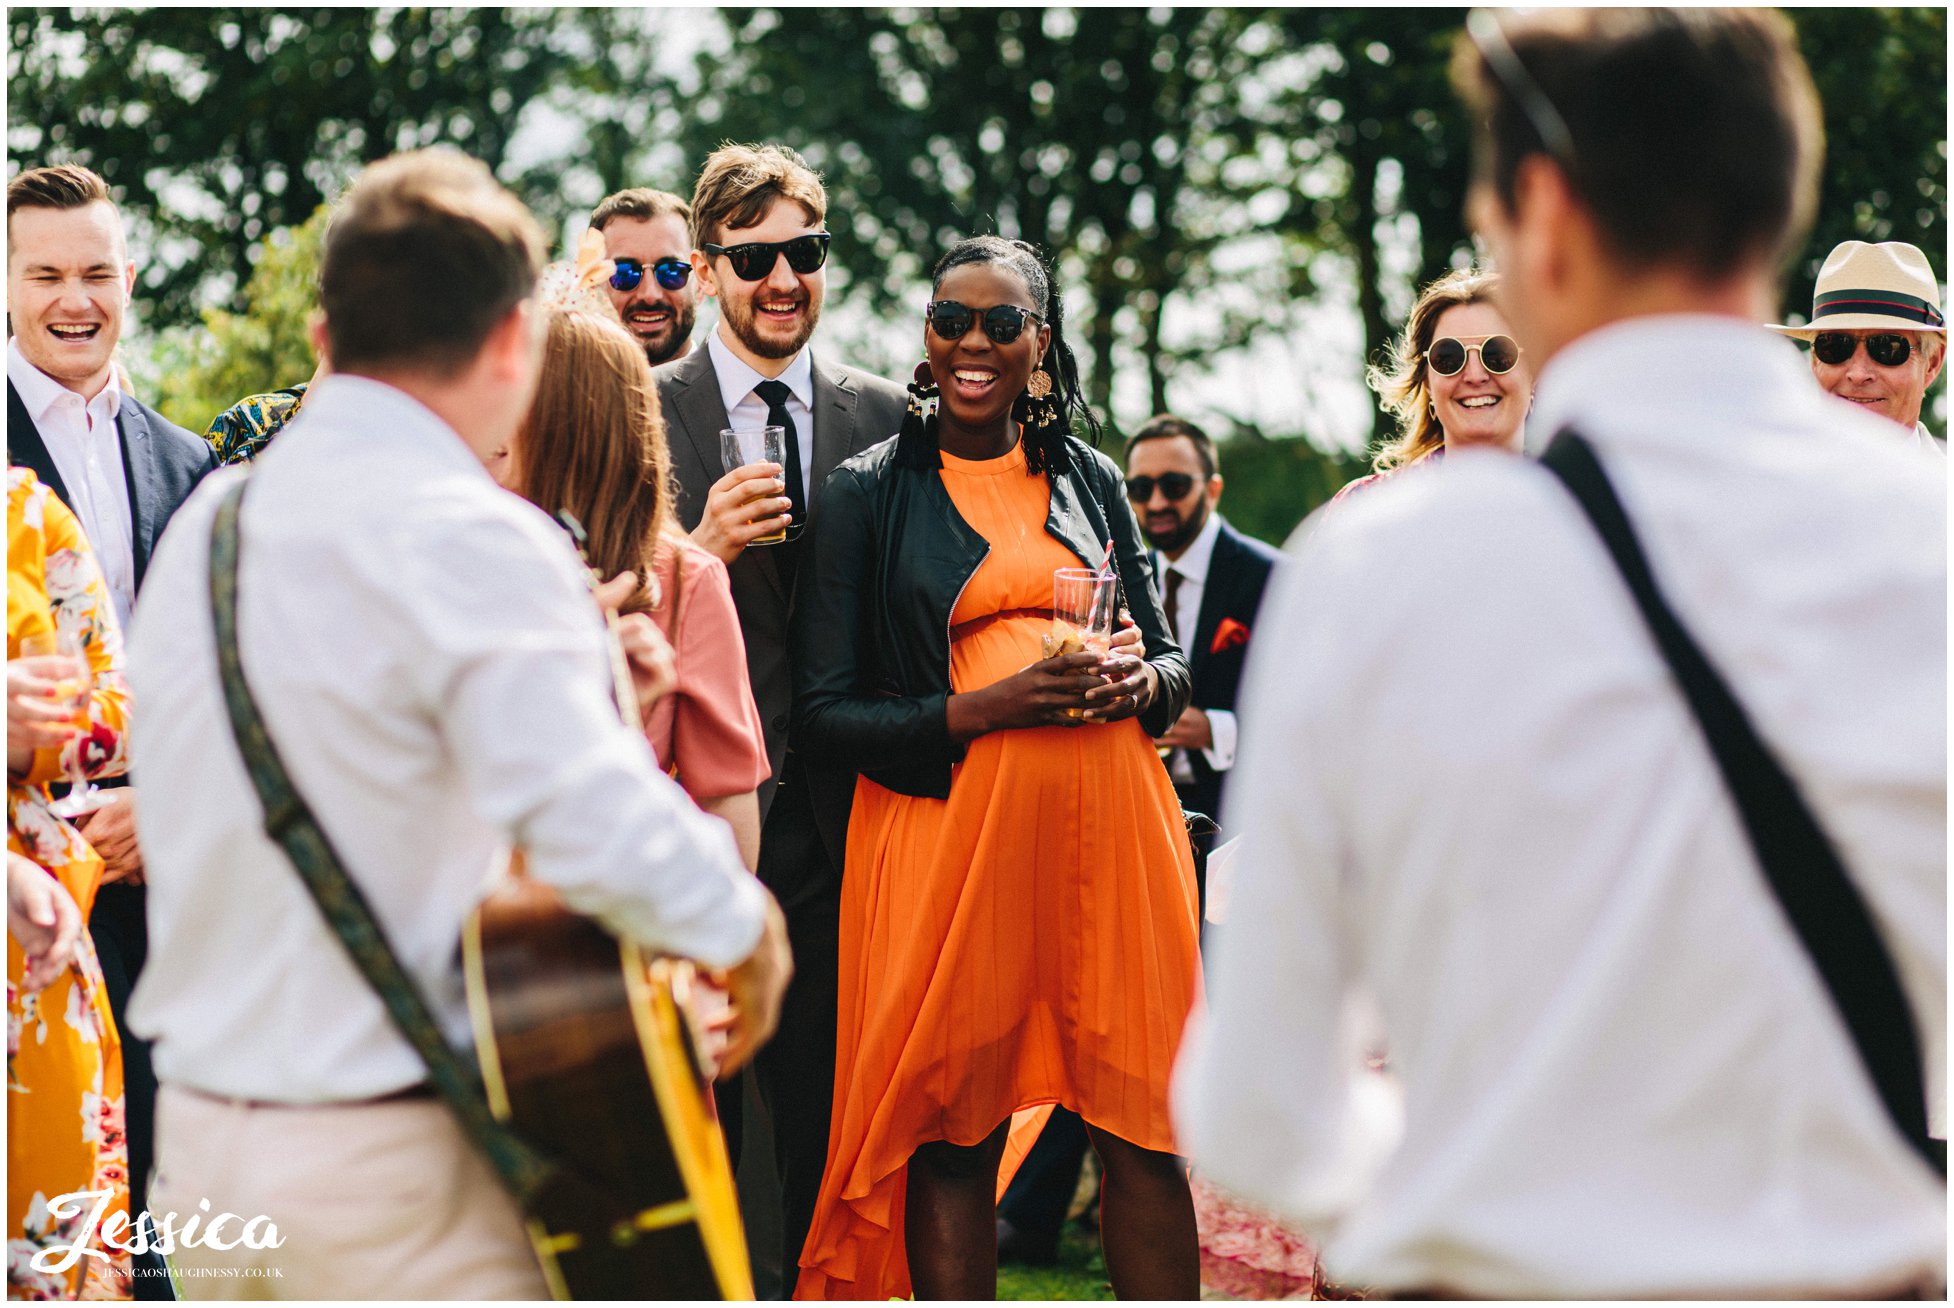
{"x": 1080, "y": 1274}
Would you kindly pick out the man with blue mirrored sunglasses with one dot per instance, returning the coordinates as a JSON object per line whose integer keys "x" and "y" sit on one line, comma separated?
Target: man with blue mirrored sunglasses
{"x": 646, "y": 234}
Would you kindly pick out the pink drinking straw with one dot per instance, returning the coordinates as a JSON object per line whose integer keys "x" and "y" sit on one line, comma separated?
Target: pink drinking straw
{"x": 1106, "y": 563}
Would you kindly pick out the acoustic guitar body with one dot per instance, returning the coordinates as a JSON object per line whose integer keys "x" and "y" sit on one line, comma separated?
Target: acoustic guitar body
{"x": 587, "y": 1054}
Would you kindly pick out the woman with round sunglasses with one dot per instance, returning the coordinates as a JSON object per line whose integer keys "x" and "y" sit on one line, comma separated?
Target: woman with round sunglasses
{"x": 1455, "y": 378}
{"x": 1018, "y": 909}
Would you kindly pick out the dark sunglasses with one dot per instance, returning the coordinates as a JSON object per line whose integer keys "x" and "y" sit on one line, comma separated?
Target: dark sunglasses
{"x": 1174, "y": 485}
{"x": 1497, "y": 354}
{"x": 751, "y": 262}
{"x": 1003, "y": 323}
{"x": 1888, "y": 349}
{"x": 672, "y": 274}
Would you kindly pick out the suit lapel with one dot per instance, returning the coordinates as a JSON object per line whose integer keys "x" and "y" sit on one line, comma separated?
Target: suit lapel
{"x": 26, "y": 449}
{"x": 139, "y": 468}
{"x": 1214, "y": 599}
{"x": 834, "y": 429}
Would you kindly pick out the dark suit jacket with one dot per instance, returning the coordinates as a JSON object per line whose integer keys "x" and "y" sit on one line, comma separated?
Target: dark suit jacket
{"x": 162, "y": 461}
{"x": 1238, "y": 572}
{"x": 852, "y": 411}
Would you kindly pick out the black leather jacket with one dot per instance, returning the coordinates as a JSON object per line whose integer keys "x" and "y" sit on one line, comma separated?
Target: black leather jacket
{"x": 886, "y": 561}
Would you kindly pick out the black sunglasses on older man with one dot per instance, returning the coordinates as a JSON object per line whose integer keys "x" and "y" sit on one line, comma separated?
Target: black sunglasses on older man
{"x": 1888, "y": 349}
{"x": 756, "y": 259}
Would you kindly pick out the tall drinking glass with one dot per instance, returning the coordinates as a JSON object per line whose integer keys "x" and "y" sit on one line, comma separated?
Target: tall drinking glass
{"x": 1084, "y": 606}
{"x": 741, "y": 446}
{"x": 74, "y": 686}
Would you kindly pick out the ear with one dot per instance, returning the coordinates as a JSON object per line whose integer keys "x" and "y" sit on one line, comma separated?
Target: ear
{"x": 1938, "y": 358}
{"x": 1215, "y": 484}
{"x": 1044, "y": 345}
{"x": 702, "y": 274}
{"x": 129, "y": 282}
{"x": 513, "y": 349}
{"x": 315, "y": 329}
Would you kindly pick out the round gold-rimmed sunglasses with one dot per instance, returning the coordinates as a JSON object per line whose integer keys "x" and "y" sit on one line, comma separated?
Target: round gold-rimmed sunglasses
{"x": 1497, "y": 353}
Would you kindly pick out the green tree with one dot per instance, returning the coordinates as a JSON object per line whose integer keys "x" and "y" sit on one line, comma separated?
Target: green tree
{"x": 205, "y": 369}
{"x": 219, "y": 126}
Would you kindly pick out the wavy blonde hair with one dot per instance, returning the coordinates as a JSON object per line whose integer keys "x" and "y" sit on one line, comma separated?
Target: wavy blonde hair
{"x": 1403, "y": 387}
{"x": 594, "y": 443}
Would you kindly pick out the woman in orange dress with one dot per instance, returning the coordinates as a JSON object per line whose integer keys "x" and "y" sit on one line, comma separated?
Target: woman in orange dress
{"x": 1018, "y": 909}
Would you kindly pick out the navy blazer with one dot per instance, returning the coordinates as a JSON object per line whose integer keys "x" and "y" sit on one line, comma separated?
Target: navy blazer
{"x": 1238, "y": 573}
{"x": 162, "y": 462}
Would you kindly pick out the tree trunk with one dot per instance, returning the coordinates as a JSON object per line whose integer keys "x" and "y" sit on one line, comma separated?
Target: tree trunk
{"x": 1150, "y": 343}
{"x": 1363, "y": 238}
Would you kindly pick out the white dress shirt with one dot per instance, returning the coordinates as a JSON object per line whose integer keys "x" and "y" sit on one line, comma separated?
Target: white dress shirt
{"x": 427, "y": 657}
{"x": 1479, "y": 822}
{"x": 747, "y": 411}
{"x": 1925, "y": 440}
{"x": 82, "y": 439}
{"x": 1192, "y": 566}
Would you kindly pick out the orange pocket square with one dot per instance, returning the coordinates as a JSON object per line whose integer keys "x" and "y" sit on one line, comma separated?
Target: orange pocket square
{"x": 1228, "y": 635}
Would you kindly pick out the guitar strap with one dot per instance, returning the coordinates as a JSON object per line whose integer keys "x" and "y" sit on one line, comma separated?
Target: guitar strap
{"x": 1799, "y": 861}
{"x": 536, "y": 1182}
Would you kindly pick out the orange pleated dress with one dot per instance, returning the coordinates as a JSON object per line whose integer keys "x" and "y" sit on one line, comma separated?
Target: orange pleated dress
{"x": 1030, "y": 940}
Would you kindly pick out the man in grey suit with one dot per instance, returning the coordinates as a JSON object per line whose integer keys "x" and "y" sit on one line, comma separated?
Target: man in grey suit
{"x": 756, "y": 370}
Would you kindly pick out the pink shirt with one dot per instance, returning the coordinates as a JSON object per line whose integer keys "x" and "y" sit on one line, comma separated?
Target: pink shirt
{"x": 707, "y": 731}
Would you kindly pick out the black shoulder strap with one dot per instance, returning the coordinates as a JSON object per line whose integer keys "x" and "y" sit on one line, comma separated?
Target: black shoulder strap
{"x": 289, "y": 822}
{"x": 1799, "y": 862}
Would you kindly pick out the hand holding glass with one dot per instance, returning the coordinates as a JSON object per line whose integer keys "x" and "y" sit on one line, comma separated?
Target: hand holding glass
{"x": 1085, "y": 608}
{"x": 74, "y": 687}
{"x": 742, "y": 447}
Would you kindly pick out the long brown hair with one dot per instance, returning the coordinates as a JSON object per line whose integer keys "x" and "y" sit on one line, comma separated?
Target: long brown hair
{"x": 1402, "y": 386}
{"x": 594, "y": 443}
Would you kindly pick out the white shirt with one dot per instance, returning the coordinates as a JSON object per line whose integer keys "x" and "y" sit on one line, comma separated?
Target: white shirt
{"x": 1925, "y": 440}
{"x": 426, "y": 656}
{"x": 1193, "y": 569}
{"x": 82, "y": 439}
{"x": 745, "y": 410}
{"x": 1476, "y": 806}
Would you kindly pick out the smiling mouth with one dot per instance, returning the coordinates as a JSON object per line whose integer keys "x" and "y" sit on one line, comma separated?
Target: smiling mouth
{"x": 1479, "y": 401}
{"x": 974, "y": 381}
{"x": 777, "y": 310}
{"x": 74, "y": 333}
{"x": 651, "y": 319}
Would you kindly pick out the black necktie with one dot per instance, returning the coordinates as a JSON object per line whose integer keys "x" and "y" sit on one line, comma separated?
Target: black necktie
{"x": 1172, "y": 605}
{"x": 775, "y": 393}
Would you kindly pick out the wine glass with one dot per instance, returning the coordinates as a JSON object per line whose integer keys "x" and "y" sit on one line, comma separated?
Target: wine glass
{"x": 75, "y": 687}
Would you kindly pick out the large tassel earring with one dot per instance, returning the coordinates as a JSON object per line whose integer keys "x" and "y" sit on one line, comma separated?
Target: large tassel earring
{"x": 1041, "y": 409}
{"x": 922, "y": 389}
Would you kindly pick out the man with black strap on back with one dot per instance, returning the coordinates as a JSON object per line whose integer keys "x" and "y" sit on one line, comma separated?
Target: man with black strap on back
{"x": 1489, "y": 818}
{"x": 760, "y": 244}
{"x": 123, "y": 468}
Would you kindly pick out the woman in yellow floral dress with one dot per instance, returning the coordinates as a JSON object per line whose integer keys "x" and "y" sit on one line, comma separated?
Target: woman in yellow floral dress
{"x": 64, "y": 1058}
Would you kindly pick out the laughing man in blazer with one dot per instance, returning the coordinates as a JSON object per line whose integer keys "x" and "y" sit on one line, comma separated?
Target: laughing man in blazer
{"x": 757, "y": 369}
{"x": 123, "y": 468}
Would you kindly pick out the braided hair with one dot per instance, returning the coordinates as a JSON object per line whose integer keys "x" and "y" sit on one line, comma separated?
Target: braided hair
{"x": 1045, "y": 425}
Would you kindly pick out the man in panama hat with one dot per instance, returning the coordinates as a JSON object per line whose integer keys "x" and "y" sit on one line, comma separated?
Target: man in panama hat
{"x": 1877, "y": 335}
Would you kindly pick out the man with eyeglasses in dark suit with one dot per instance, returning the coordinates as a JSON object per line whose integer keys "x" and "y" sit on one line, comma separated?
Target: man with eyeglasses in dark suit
{"x": 758, "y": 248}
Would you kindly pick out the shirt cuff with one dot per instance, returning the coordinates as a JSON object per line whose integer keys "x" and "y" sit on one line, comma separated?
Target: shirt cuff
{"x": 1221, "y": 754}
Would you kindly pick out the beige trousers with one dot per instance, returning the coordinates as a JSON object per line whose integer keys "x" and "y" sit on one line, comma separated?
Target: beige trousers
{"x": 371, "y": 1201}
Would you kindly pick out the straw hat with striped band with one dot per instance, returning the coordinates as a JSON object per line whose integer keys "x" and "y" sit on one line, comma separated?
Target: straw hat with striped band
{"x": 1888, "y": 287}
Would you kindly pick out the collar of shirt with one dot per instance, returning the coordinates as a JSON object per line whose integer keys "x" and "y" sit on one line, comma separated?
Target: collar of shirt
{"x": 1194, "y": 560}
{"x": 1640, "y": 368}
{"x": 38, "y": 391}
{"x": 737, "y": 377}
{"x": 361, "y": 409}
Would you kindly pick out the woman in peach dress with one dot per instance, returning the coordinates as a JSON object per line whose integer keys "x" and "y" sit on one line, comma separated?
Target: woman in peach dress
{"x": 1018, "y": 909}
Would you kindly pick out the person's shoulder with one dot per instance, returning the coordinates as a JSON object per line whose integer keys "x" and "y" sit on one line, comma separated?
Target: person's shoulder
{"x": 693, "y": 563}
{"x": 170, "y": 437}
{"x": 848, "y": 376}
{"x": 1258, "y": 550}
{"x": 695, "y": 363}
{"x": 870, "y": 465}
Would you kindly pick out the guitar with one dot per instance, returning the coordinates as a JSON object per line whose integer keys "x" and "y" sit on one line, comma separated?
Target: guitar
{"x": 587, "y": 1053}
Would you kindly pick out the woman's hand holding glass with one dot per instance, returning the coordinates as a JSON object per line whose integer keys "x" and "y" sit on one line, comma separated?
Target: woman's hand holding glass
{"x": 40, "y": 715}
{"x": 1129, "y": 681}
{"x": 64, "y": 655}
{"x": 1049, "y": 693}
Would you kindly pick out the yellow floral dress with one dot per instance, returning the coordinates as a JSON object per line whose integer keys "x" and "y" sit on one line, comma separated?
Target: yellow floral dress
{"x": 64, "y": 1058}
